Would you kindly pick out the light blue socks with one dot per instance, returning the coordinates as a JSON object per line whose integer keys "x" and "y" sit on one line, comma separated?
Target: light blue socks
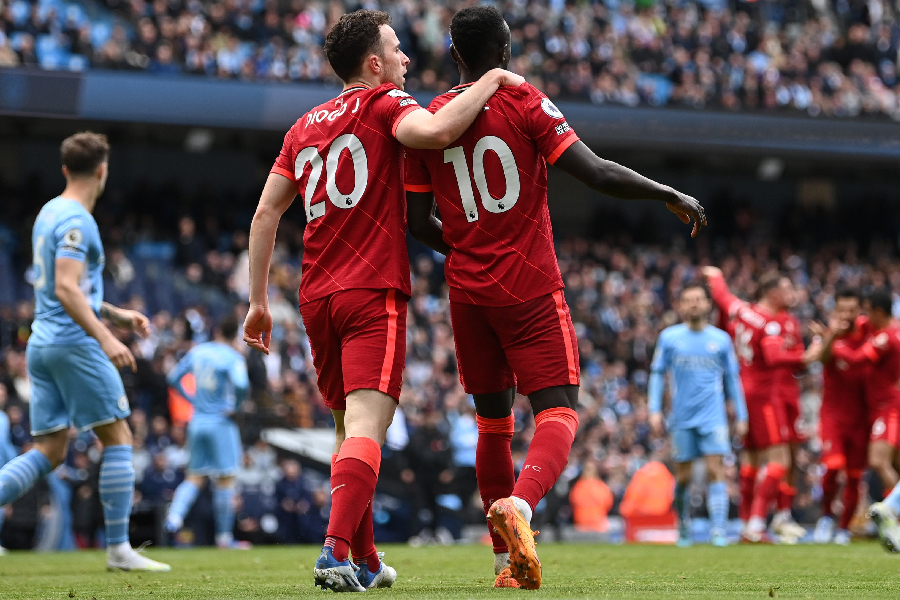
{"x": 20, "y": 474}
{"x": 223, "y": 508}
{"x": 184, "y": 498}
{"x": 717, "y": 504}
{"x": 116, "y": 492}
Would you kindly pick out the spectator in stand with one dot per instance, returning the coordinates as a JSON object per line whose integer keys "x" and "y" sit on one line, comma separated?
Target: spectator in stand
{"x": 591, "y": 500}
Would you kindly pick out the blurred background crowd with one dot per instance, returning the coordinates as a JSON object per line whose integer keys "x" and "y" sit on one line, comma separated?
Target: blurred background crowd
{"x": 819, "y": 57}
{"x": 187, "y": 269}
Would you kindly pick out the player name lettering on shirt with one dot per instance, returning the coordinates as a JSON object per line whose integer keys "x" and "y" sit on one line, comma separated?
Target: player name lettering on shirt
{"x": 695, "y": 362}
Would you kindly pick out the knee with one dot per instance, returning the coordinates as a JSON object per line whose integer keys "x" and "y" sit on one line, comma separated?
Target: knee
{"x": 117, "y": 433}
{"x": 54, "y": 449}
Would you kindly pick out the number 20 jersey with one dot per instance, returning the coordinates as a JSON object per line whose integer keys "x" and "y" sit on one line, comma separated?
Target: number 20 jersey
{"x": 346, "y": 163}
{"x": 490, "y": 186}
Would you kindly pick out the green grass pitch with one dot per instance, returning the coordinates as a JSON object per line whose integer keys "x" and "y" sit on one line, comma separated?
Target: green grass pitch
{"x": 862, "y": 570}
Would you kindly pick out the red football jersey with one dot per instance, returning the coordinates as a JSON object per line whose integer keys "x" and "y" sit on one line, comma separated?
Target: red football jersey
{"x": 843, "y": 383}
{"x": 881, "y": 351}
{"x": 759, "y": 343}
{"x": 346, "y": 164}
{"x": 490, "y": 186}
{"x": 788, "y": 385}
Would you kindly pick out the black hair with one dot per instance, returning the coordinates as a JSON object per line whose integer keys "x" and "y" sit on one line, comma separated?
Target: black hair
{"x": 355, "y": 36}
{"x": 847, "y": 292}
{"x": 882, "y": 298}
{"x": 83, "y": 152}
{"x": 478, "y": 33}
{"x": 228, "y": 327}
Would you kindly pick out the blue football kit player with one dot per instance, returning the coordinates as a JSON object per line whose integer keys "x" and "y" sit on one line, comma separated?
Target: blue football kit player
{"x": 7, "y": 453}
{"x": 220, "y": 375}
{"x": 73, "y": 357}
{"x": 703, "y": 371}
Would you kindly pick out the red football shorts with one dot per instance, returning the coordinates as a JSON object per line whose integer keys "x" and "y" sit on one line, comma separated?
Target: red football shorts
{"x": 844, "y": 442}
{"x": 767, "y": 424}
{"x": 794, "y": 422}
{"x": 358, "y": 341}
{"x": 532, "y": 345}
{"x": 886, "y": 426}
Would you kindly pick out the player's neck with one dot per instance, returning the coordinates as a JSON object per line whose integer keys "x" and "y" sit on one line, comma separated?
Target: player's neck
{"x": 768, "y": 306}
{"x": 359, "y": 82}
{"x": 81, "y": 191}
{"x": 697, "y": 326}
{"x": 465, "y": 77}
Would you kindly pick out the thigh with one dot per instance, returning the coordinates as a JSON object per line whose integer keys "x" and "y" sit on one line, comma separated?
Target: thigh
{"x": 856, "y": 445}
{"x": 796, "y": 433}
{"x": 540, "y": 342}
{"x": 90, "y": 384}
{"x": 47, "y": 411}
{"x": 833, "y": 439}
{"x": 326, "y": 351}
{"x": 766, "y": 424}
{"x": 483, "y": 368}
{"x": 371, "y": 325}
{"x": 714, "y": 440}
{"x": 227, "y": 451}
{"x": 886, "y": 427}
{"x": 685, "y": 445}
{"x": 200, "y": 442}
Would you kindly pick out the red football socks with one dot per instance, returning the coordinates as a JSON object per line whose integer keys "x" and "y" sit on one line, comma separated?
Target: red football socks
{"x": 786, "y": 493}
{"x": 748, "y": 485}
{"x": 767, "y": 491}
{"x": 362, "y": 546}
{"x": 851, "y": 498}
{"x": 548, "y": 453}
{"x": 829, "y": 492}
{"x": 494, "y": 466}
{"x": 353, "y": 480}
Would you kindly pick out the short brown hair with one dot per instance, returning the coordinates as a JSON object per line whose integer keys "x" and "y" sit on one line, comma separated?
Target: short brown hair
{"x": 83, "y": 152}
{"x": 352, "y": 39}
{"x": 767, "y": 282}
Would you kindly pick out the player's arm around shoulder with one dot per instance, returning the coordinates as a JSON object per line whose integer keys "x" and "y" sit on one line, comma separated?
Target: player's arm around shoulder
{"x": 423, "y": 130}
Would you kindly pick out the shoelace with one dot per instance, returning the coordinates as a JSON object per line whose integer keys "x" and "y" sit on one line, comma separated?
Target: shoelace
{"x": 143, "y": 546}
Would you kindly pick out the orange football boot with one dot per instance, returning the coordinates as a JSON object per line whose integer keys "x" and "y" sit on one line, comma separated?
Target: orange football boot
{"x": 505, "y": 579}
{"x": 512, "y": 527}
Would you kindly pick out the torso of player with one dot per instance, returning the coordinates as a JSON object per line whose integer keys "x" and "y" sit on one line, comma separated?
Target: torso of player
{"x": 211, "y": 364}
{"x": 749, "y": 325}
{"x": 843, "y": 384}
{"x": 346, "y": 164}
{"x": 788, "y": 385}
{"x": 696, "y": 363}
{"x": 490, "y": 186}
{"x": 883, "y": 377}
{"x": 64, "y": 228}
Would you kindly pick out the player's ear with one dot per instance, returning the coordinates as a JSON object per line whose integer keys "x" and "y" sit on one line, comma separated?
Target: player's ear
{"x": 454, "y": 54}
{"x": 65, "y": 172}
{"x": 374, "y": 62}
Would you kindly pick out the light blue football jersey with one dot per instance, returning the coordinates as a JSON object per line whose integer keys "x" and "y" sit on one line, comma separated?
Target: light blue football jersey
{"x": 703, "y": 367}
{"x": 220, "y": 373}
{"x": 64, "y": 229}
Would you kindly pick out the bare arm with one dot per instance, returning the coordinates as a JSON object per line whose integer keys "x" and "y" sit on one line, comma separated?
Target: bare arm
{"x": 277, "y": 196}
{"x": 615, "y": 180}
{"x": 423, "y": 224}
{"x": 421, "y": 129}
{"x": 76, "y": 305}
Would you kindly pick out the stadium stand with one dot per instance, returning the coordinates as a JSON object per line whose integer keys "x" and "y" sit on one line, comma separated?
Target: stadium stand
{"x": 824, "y": 58}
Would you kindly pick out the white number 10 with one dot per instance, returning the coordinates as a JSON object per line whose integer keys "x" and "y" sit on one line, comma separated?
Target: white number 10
{"x": 457, "y": 157}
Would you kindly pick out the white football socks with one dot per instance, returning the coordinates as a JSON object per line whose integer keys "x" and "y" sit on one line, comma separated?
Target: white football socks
{"x": 523, "y": 508}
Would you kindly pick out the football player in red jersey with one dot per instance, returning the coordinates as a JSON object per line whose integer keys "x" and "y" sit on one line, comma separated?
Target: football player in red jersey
{"x": 843, "y": 419}
{"x": 881, "y": 352}
{"x": 760, "y": 344}
{"x": 344, "y": 158}
{"x": 511, "y": 324}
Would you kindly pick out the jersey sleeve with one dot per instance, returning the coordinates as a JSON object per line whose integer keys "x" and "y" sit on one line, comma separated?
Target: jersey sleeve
{"x": 176, "y": 375}
{"x": 416, "y": 177}
{"x": 547, "y": 126}
{"x": 773, "y": 350}
{"x": 239, "y": 378}
{"x": 71, "y": 236}
{"x": 284, "y": 164}
{"x": 727, "y": 302}
{"x": 733, "y": 388}
{"x": 392, "y": 105}
{"x": 657, "y": 381}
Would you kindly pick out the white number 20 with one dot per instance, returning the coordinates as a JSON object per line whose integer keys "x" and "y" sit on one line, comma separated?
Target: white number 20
{"x": 457, "y": 157}
{"x": 338, "y": 198}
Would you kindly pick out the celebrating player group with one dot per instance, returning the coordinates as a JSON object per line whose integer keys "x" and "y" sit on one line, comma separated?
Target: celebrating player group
{"x": 371, "y": 162}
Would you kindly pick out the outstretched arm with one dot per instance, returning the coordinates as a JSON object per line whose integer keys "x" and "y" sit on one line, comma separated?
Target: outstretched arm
{"x": 422, "y": 129}
{"x": 177, "y": 374}
{"x": 423, "y": 223}
{"x": 727, "y": 302}
{"x": 615, "y": 180}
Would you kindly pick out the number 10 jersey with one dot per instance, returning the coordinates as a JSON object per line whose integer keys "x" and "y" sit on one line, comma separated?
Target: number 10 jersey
{"x": 346, "y": 163}
{"x": 490, "y": 186}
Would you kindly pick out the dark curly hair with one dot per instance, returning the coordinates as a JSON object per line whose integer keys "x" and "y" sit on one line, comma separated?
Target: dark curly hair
{"x": 355, "y": 36}
{"x": 478, "y": 34}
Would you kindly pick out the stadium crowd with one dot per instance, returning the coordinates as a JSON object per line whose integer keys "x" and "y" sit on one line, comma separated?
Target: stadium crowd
{"x": 620, "y": 289}
{"x": 817, "y": 57}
